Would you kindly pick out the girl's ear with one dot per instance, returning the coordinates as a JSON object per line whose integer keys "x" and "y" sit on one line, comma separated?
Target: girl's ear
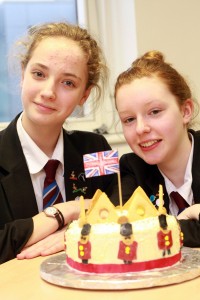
{"x": 85, "y": 96}
{"x": 187, "y": 110}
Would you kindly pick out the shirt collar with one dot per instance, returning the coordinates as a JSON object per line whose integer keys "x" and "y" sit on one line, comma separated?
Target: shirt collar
{"x": 185, "y": 189}
{"x": 35, "y": 157}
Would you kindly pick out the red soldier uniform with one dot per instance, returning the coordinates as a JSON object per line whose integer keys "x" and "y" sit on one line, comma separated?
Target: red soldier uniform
{"x": 127, "y": 252}
{"x": 84, "y": 251}
{"x": 165, "y": 241}
{"x": 84, "y": 245}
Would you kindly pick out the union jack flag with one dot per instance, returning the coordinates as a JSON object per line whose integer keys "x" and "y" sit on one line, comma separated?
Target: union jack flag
{"x": 101, "y": 163}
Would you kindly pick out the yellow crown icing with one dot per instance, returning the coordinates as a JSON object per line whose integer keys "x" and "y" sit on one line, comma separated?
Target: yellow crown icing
{"x": 138, "y": 207}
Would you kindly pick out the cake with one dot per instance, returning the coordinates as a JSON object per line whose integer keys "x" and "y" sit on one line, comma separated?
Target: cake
{"x": 130, "y": 238}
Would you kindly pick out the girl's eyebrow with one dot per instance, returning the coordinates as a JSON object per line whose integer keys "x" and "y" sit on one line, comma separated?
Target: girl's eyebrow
{"x": 65, "y": 74}
{"x": 124, "y": 112}
{"x": 72, "y": 75}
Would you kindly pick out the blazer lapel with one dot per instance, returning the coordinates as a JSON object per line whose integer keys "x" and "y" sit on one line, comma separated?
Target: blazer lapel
{"x": 14, "y": 175}
{"x": 195, "y": 167}
{"x": 74, "y": 173}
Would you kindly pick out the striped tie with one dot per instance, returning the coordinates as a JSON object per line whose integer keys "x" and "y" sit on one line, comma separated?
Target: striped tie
{"x": 179, "y": 200}
{"x": 51, "y": 191}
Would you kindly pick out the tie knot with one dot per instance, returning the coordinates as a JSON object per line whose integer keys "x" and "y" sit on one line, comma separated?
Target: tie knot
{"x": 50, "y": 168}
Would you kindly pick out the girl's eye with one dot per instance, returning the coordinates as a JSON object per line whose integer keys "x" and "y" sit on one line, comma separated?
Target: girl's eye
{"x": 37, "y": 74}
{"x": 68, "y": 83}
{"x": 155, "y": 112}
{"x": 129, "y": 120}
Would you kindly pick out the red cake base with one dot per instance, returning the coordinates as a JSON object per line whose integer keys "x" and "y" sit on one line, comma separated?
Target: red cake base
{"x": 123, "y": 268}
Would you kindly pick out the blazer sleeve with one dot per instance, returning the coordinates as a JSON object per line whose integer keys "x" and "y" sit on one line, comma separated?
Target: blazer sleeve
{"x": 191, "y": 232}
{"x": 13, "y": 237}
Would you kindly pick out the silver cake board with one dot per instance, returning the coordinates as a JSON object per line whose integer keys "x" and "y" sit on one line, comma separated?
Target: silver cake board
{"x": 56, "y": 271}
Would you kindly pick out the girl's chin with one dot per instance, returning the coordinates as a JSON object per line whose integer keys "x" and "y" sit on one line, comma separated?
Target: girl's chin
{"x": 148, "y": 158}
{"x": 151, "y": 161}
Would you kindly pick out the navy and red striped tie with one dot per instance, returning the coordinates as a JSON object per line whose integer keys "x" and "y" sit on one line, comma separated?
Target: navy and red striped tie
{"x": 51, "y": 191}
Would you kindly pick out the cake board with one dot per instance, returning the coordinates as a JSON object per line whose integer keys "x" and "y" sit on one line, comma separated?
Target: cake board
{"x": 55, "y": 270}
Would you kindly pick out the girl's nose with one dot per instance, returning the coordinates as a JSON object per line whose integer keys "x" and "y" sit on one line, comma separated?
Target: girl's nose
{"x": 142, "y": 126}
{"x": 48, "y": 90}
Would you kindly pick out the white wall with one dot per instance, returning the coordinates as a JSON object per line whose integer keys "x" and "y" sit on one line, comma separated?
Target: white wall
{"x": 173, "y": 27}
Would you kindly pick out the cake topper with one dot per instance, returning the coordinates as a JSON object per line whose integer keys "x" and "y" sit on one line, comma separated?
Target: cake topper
{"x": 102, "y": 163}
{"x": 84, "y": 245}
{"x": 127, "y": 245}
{"x": 101, "y": 209}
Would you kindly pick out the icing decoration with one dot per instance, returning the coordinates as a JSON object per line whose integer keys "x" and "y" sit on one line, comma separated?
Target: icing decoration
{"x": 124, "y": 268}
{"x": 127, "y": 238}
{"x": 84, "y": 245}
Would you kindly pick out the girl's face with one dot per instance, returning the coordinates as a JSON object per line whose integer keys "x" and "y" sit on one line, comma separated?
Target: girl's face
{"x": 54, "y": 82}
{"x": 154, "y": 125}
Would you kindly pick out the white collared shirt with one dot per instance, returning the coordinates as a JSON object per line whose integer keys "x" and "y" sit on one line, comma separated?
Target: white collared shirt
{"x": 36, "y": 160}
{"x": 186, "y": 189}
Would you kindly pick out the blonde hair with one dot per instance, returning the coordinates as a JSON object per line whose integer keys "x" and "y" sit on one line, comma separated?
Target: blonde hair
{"x": 97, "y": 68}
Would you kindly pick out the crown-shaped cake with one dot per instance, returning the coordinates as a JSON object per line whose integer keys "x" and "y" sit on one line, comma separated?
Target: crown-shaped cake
{"x": 109, "y": 239}
{"x": 138, "y": 207}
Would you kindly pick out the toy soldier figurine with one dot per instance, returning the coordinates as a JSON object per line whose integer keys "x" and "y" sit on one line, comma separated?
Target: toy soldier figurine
{"x": 84, "y": 245}
{"x": 164, "y": 236}
{"x": 127, "y": 246}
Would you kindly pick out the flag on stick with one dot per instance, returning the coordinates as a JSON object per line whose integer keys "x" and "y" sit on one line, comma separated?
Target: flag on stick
{"x": 103, "y": 163}
{"x": 161, "y": 202}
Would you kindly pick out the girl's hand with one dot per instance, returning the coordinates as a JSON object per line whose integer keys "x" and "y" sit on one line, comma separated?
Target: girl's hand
{"x": 191, "y": 212}
{"x": 51, "y": 244}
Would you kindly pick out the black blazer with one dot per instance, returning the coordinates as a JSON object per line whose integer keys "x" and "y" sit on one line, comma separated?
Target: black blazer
{"x": 17, "y": 198}
{"x": 135, "y": 172}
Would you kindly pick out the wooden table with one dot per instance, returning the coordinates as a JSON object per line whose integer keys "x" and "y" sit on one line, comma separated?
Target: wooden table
{"x": 20, "y": 280}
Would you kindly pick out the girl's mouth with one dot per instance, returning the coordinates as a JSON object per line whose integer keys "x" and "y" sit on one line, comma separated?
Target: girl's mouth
{"x": 149, "y": 144}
